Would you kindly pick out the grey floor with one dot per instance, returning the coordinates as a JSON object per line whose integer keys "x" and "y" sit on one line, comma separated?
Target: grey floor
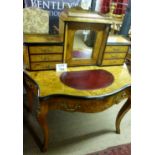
{"x": 79, "y": 133}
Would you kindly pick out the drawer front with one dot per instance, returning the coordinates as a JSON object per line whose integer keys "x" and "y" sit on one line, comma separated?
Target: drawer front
{"x": 116, "y": 49}
{"x": 43, "y": 65}
{"x": 82, "y": 105}
{"x": 114, "y": 55}
{"x": 45, "y": 49}
{"x": 47, "y": 57}
{"x": 113, "y": 62}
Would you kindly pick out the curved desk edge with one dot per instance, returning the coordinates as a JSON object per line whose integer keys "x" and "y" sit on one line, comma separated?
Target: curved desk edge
{"x": 85, "y": 97}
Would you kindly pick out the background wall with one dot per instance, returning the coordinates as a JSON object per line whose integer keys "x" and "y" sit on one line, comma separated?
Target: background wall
{"x": 54, "y": 7}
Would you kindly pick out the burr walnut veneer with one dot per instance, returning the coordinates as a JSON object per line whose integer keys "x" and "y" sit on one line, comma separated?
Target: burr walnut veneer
{"x": 82, "y": 41}
{"x": 92, "y": 82}
{"x": 43, "y": 52}
{"x": 54, "y": 94}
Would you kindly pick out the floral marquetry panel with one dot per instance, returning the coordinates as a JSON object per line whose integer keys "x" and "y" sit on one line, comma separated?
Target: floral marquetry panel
{"x": 35, "y": 20}
{"x": 49, "y": 82}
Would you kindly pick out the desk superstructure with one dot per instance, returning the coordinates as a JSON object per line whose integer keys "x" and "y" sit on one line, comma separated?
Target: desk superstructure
{"x": 82, "y": 41}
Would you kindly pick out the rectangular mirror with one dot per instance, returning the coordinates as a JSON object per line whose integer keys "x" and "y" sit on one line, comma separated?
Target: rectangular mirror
{"x": 83, "y": 44}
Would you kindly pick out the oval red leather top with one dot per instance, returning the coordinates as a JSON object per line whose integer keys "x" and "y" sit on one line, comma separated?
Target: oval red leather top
{"x": 88, "y": 79}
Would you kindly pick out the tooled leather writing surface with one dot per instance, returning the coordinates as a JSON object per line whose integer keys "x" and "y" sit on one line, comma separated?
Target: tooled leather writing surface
{"x": 88, "y": 79}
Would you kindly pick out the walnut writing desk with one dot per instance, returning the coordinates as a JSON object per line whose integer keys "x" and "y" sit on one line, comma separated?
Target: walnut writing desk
{"x": 53, "y": 92}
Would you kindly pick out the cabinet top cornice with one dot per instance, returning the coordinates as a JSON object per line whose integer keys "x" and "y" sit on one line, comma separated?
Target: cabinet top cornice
{"x": 87, "y": 17}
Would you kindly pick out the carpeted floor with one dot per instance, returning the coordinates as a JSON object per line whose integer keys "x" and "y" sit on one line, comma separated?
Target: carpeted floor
{"x": 78, "y": 133}
{"x": 124, "y": 149}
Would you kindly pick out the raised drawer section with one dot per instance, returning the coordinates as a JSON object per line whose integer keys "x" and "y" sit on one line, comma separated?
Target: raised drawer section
{"x": 113, "y": 62}
{"x": 114, "y": 55}
{"x": 47, "y": 57}
{"x": 116, "y": 49}
{"x": 45, "y": 49}
{"x": 43, "y": 65}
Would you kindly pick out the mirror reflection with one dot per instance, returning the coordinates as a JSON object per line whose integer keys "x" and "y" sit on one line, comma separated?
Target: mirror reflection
{"x": 83, "y": 44}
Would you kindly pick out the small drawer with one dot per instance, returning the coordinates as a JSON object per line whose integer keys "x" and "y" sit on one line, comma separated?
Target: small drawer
{"x": 43, "y": 65}
{"x": 116, "y": 49}
{"x": 113, "y": 62}
{"x": 47, "y": 57}
{"x": 45, "y": 49}
{"x": 114, "y": 55}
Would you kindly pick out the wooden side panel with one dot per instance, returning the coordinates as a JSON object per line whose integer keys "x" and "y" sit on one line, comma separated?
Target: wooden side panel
{"x": 61, "y": 27}
{"x": 103, "y": 45}
{"x": 69, "y": 45}
{"x": 97, "y": 45}
{"x": 65, "y": 43}
{"x": 26, "y": 62}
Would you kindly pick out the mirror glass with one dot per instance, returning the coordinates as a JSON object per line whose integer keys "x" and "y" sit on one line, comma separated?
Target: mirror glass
{"x": 83, "y": 44}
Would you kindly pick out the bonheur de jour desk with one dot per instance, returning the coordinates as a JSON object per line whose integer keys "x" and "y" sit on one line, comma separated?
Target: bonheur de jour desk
{"x": 53, "y": 94}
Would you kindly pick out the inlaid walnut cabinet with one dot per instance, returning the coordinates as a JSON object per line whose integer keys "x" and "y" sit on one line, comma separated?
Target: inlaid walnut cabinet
{"x": 95, "y": 79}
{"x": 82, "y": 41}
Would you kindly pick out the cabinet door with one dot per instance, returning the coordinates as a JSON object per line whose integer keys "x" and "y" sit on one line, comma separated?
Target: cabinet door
{"x": 83, "y": 42}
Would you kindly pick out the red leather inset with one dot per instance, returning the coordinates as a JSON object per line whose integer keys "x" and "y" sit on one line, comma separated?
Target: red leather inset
{"x": 87, "y": 80}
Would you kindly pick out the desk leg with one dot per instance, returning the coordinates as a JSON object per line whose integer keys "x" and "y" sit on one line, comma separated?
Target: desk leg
{"x": 41, "y": 117}
{"x": 126, "y": 107}
{"x": 30, "y": 100}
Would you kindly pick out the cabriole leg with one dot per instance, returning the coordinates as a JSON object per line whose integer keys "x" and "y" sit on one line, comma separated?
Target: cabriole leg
{"x": 126, "y": 107}
{"x": 41, "y": 117}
